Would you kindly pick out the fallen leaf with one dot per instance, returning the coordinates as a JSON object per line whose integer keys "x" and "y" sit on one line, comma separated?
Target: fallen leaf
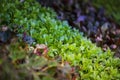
{"x": 41, "y": 49}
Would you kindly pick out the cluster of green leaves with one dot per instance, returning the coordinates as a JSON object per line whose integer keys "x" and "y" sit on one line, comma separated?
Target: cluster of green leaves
{"x": 42, "y": 25}
{"x": 8, "y": 68}
{"x": 112, "y": 8}
{"x": 21, "y": 64}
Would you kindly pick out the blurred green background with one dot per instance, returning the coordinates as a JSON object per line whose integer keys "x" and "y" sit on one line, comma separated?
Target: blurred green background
{"x": 112, "y": 8}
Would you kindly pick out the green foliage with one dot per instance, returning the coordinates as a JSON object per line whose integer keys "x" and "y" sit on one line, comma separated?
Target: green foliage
{"x": 31, "y": 67}
{"x": 16, "y": 52}
{"x": 112, "y": 8}
{"x": 42, "y": 25}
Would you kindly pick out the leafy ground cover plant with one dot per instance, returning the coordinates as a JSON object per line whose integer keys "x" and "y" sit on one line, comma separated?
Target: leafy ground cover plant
{"x": 40, "y": 23}
{"x": 93, "y": 18}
